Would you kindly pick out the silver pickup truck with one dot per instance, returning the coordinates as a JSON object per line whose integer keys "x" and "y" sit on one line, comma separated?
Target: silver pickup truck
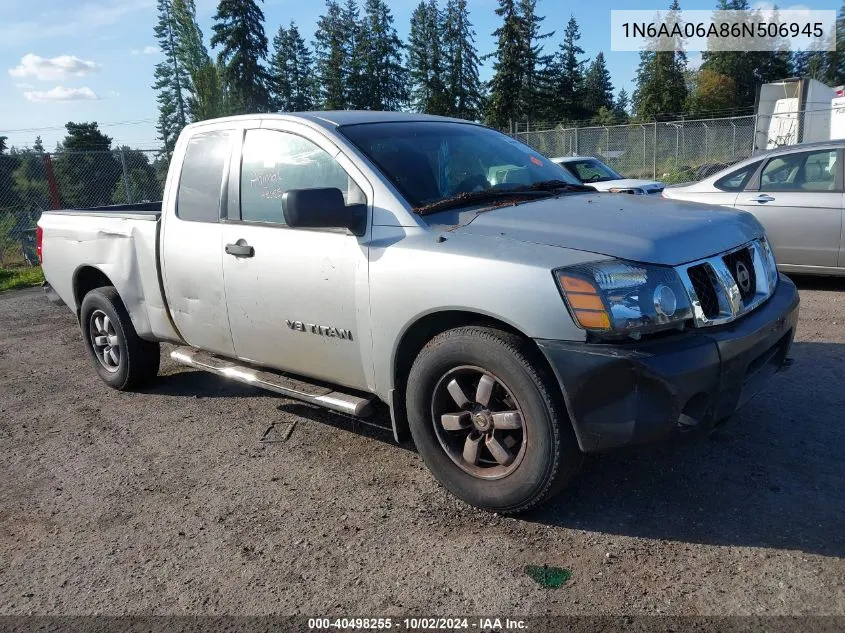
{"x": 510, "y": 318}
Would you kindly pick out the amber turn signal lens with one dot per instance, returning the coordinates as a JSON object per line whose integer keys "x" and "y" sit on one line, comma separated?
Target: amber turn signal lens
{"x": 574, "y": 284}
{"x": 586, "y": 304}
{"x": 593, "y": 320}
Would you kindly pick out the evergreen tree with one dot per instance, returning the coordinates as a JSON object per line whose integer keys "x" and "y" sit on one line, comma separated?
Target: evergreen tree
{"x": 737, "y": 66}
{"x": 661, "y": 84}
{"x": 381, "y": 49}
{"x": 170, "y": 79}
{"x": 38, "y": 146}
{"x": 508, "y": 70}
{"x": 291, "y": 72}
{"x": 355, "y": 50}
{"x": 834, "y": 64}
{"x": 239, "y": 32}
{"x": 331, "y": 56}
{"x": 598, "y": 89}
{"x": 537, "y": 82}
{"x": 425, "y": 60}
{"x": 463, "y": 87}
{"x": 141, "y": 177}
{"x": 568, "y": 76}
{"x": 206, "y": 96}
{"x": 621, "y": 107}
{"x": 86, "y": 171}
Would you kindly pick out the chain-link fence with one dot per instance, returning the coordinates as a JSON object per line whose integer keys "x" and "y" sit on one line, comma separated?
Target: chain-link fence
{"x": 31, "y": 182}
{"x": 673, "y": 151}
{"x": 684, "y": 150}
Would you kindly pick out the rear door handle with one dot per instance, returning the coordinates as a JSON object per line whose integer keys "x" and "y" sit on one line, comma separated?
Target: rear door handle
{"x": 761, "y": 198}
{"x": 240, "y": 250}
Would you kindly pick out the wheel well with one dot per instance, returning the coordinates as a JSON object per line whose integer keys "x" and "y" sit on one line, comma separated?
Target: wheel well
{"x": 85, "y": 280}
{"x": 426, "y": 328}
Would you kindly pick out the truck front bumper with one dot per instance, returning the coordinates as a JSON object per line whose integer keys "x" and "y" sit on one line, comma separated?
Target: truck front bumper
{"x": 643, "y": 392}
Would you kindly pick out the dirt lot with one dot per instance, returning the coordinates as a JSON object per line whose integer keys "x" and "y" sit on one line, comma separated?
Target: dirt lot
{"x": 166, "y": 502}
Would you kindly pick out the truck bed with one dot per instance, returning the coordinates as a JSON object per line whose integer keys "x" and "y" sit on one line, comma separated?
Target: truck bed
{"x": 117, "y": 241}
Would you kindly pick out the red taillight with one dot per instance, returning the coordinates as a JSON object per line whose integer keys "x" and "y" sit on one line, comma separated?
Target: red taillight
{"x": 39, "y": 238}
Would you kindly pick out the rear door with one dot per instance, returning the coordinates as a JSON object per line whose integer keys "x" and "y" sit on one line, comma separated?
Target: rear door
{"x": 192, "y": 246}
{"x": 798, "y": 197}
{"x": 298, "y": 299}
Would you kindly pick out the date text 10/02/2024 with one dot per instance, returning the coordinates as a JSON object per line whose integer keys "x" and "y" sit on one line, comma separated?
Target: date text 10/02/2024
{"x": 481, "y": 624}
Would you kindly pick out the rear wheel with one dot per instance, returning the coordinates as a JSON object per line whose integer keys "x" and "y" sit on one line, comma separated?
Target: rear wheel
{"x": 486, "y": 421}
{"x": 121, "y": 358}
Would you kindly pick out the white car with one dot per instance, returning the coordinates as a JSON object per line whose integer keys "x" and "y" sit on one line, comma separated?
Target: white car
{"x": 591, "y": 171}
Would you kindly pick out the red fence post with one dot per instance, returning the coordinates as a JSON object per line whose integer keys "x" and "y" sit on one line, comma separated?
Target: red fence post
{"x": 51, "y": 183}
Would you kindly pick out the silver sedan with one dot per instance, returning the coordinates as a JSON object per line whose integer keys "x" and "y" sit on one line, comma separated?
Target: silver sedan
{"x": 797, "y": 194}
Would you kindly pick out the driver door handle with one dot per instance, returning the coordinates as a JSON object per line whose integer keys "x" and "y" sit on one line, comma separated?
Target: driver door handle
{"x": 240, "y": 250}
{"x": 761, "y": 198}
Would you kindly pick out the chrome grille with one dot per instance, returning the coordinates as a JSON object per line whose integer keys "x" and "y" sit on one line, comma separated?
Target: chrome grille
{"x": 726, "y": 286}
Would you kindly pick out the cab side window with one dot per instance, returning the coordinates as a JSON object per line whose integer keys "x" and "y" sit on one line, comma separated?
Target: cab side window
{"x": 198, "y": 196}
{"x": 804, "y": 171}
{"x": 274, "y": 162}
{"x": 736, "y": 181}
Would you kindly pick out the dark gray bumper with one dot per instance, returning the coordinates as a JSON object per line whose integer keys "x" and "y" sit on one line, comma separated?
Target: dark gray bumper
{"x": 642, "y": 392}
{"x": 52, "y": 295}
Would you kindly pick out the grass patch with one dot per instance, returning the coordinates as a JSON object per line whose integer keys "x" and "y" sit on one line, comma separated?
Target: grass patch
{"x": 20, "y": 277}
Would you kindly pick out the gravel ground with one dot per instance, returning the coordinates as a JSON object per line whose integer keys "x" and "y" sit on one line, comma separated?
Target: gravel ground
{"x": 166, "y": 501}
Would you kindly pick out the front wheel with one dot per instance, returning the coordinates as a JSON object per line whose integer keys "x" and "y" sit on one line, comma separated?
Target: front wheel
{"x": 122, "y": 359}
{"x": 486, "y": 421}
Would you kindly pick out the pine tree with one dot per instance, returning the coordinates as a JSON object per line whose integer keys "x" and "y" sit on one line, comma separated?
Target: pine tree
{"x": 537, "y": 80}
{"x": 170, "y": 79}
{"x": 205, "y": 95}
{"x": 239, "y": 32}
{"x": 291, "y": 72}
{"x": 460, "y": 64}
{"x": 38, "y": 146}
{"x": 569, "y": 75}
{"x": 356, "y": 82}
{"x": 661, "y": 84}
{"x": 384, "y": 75}
{"x": 85, "y": 170}
{"x": 598, "y": 89}
{"x": 508, "y": 71}
{"x": 425, "y": 60}
{"x": 331, "y": 56}
{"x": 737, "y": 66}
{"x": 621, "y": 106}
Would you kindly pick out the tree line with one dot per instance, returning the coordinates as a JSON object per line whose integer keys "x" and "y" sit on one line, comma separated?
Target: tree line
{"x": 357, "y": 61}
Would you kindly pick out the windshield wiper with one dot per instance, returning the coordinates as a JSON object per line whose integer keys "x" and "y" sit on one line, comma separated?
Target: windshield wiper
{"x": 543, "y": 188}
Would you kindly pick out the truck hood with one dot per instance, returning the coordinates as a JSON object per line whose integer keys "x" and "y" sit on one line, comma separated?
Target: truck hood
{"x": 649, "y": 186}
{"x": 646, "y": 229}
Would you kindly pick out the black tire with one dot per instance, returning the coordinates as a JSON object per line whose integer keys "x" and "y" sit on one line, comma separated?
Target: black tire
{"x": 548, "y": 454}
{"x": 135, "y": 362}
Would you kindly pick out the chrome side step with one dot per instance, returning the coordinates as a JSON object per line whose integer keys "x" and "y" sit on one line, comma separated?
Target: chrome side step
{"x": 319, "y": 395}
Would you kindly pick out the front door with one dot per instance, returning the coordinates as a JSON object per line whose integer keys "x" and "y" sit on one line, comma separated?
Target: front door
{"x": 298, "y": 299}
{"x": 800, "y": 204}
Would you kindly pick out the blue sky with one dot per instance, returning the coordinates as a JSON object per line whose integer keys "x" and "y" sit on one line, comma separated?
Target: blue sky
{"x": 92, "y": 60}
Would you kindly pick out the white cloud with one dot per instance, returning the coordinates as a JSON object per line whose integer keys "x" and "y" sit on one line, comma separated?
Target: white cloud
{"x": 60, "y": 93}
{"x": 55, "y": 69}
{"x": 147, "y": 50}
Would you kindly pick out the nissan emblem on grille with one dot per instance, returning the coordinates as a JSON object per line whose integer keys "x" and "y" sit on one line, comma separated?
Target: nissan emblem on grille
{"x": 743, "y": 277}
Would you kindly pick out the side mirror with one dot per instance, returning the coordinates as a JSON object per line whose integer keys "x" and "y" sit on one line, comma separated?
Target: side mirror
{"x": 323, "y": 209}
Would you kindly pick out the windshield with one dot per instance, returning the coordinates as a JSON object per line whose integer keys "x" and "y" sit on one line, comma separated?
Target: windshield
{"x": 589, "y": 170}
{"x": 431, "y": 161}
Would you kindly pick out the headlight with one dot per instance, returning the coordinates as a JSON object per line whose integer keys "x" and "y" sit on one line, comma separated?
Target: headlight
{"x": 620, "y": 297}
